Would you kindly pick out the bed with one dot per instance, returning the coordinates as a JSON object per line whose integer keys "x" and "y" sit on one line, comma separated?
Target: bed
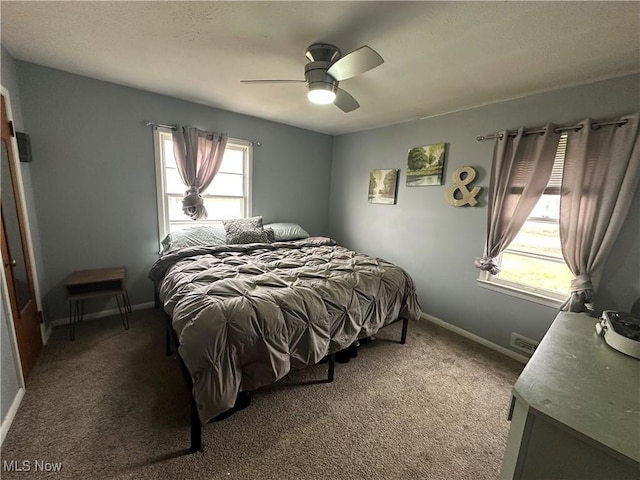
{"x": 245, "y": 314}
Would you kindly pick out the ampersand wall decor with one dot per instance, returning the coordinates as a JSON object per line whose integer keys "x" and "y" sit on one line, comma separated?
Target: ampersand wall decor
{"x": 460, "y": 183}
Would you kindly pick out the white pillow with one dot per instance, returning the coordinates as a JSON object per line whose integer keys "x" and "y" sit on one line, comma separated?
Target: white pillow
{"x": 194, "y": 236}
{"x": 284, "y": 231}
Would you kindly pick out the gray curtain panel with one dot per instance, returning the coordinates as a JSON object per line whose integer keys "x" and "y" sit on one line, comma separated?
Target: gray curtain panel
{"x": 519, "y": 175}
{"x": 600, "y": 177}
{"x": 198, "y": 157}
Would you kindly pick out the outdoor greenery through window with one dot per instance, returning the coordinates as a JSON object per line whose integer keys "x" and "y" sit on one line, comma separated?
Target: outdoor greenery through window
{"x": 533, "y": 261}
{"x": 227, "y": 197}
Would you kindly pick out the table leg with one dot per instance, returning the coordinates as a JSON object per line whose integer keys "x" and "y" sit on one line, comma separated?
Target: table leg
{"x": 71, "y": 320}
{"x": 123, "y": 311}
{"x": 76, "y": 309}
{"x": 125, "y": 296}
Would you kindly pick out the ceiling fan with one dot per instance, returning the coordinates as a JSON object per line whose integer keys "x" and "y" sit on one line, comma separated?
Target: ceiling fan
{"x": 327, "y": 68}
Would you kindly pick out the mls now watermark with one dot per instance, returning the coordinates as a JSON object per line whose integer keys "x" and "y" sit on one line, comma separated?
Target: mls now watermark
{"x": 30, "y": 466}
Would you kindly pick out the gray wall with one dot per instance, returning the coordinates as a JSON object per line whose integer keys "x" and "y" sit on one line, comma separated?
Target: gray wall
{"x": 437, "y": 243}
{"x": 93, "y": 174}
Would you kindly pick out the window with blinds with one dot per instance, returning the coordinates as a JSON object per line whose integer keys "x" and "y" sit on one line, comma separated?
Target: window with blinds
{"x": 533, "y": 261}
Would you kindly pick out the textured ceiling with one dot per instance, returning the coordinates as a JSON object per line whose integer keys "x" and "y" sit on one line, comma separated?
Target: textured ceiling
{"x": 439, "y": 56}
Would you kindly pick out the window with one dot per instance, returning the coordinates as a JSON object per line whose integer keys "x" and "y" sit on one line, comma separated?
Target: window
{"x": 533, "y": 262}
{"x": 227, "y": 197}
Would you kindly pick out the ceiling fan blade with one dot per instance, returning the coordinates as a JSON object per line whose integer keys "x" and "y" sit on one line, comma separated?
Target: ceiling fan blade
{"x": 272, "y": 81}
{"x": 359, "y": 61}
{"x": 345, "y": 102}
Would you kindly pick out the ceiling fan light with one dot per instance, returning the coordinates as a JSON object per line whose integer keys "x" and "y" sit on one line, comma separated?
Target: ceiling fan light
{"x": 321, "y": 96}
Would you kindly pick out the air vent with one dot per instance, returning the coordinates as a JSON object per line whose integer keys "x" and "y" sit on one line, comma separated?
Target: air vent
{"x": 523, "y": 343}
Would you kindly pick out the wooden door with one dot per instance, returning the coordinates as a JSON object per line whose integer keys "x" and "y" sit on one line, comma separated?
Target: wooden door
{"x": 15, "y": 257}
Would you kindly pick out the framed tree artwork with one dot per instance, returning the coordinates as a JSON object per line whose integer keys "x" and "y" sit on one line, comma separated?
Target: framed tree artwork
{"x": 425, "y": 165}
{"x": 383, "y": 186}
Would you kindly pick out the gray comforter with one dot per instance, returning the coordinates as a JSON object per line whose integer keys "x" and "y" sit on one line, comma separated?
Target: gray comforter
{"x": 246, "y": 315}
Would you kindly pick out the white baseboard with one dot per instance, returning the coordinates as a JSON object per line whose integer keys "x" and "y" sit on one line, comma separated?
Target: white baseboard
{"x": 475, "y": 338}
{"x": 45, "y": 330}
{"x": 425, "y": 316}
{"x": 102, "y": 314}
{"x": 11, "y": 414}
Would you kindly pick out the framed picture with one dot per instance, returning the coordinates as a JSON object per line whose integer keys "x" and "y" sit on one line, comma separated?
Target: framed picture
{"x": 383, "y": 186}
{"x": 425, "y": 165}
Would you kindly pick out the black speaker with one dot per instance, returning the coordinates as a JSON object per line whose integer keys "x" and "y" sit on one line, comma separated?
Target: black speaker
{"x": 24, "y": 146}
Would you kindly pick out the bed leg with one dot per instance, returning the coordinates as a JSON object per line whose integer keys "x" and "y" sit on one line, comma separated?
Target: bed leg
{"x": 156, "y": 296}
{"x": 332, "y": 367}
{"x": 405, "y": 326}
{"x": 168, "y": 341}
{"x": 196, "y": 428}
{"x": 169, "y": 336}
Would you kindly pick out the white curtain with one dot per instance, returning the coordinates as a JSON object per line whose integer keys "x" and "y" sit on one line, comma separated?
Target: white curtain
{"x": 198, "y": 158}
{"x": 600, "y": 177}
{"x": 519, "y": 175}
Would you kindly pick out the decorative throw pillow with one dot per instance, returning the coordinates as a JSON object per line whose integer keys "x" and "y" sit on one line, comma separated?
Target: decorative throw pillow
{"x": 245, "y": 230}
{"x": 270, "y": 234}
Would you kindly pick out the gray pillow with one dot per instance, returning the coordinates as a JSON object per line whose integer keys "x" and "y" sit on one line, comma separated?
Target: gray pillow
{"x": 284, "y": 231}
{"x": 193, "y": 237}
{"x": 245, "y": 230}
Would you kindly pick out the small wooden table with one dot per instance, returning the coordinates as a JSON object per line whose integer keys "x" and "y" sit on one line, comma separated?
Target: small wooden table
{"x": 84, "y": 284}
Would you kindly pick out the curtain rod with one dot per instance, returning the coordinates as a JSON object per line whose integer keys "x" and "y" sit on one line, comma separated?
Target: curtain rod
{"x": 175, "y": 127}
{"x": 152, "y": 124}
{"x": 482, "y": 138}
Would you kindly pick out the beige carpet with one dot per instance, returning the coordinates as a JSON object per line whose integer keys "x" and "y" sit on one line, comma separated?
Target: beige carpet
{"x": 112, "y": 405}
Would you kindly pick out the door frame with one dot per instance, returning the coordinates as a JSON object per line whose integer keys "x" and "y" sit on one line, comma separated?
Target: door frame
{"x": 21, "y": 204}
{"x": 6, "y": 302}
{"x": 21, "y": 201}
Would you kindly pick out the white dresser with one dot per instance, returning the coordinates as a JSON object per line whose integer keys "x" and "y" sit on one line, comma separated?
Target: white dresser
{"x": 575, "y": 412}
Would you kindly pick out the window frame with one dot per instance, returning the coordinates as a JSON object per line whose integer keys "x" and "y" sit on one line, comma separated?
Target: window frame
{"x": 162, "y": 197}
{"x": 551, "y": 298}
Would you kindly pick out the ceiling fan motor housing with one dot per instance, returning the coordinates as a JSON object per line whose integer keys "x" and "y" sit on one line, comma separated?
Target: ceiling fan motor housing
{"x": 323, "y": 52}
{"x": 315, "y": 73}
{"x": 322, "y": 56}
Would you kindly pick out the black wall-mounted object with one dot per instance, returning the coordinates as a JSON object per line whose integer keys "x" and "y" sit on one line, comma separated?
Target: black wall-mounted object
{"x": 24, "y": 146}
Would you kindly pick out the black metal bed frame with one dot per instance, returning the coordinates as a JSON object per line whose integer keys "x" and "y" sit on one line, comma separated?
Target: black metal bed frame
{"x": 196, "y": 426}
